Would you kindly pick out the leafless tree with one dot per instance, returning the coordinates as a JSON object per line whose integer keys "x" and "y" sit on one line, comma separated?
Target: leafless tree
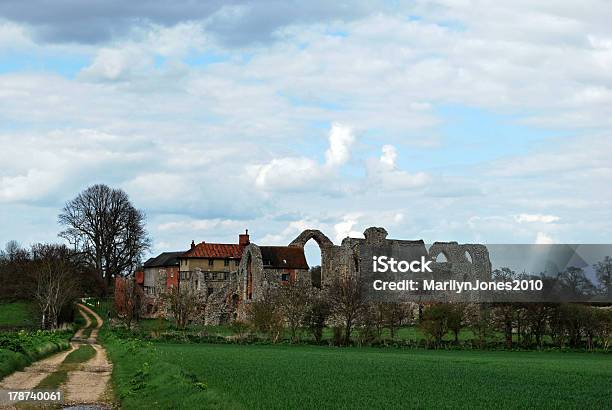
{"x": 390, "y": 315}
{"x": 295, "y": 299}
{"x": 575, "y": 283}
{"x": 192, "y": 299}
{"x": 347, "y": 302}
{"x": 14, "y": 263}
{"x": 265, "y": 314}
{"x": 53, "y": 272}
{"x": 128, "y": 300}
{"x": 102, "y": 223}
{"x": 603, "y": 269}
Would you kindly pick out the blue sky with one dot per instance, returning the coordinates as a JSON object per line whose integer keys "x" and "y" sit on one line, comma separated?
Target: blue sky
{"x": 437, "y": 120}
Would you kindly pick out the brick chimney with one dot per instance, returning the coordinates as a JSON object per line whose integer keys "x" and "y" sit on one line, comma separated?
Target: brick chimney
{"x": 243, "y": 238}
{"x": 192, "y": 244}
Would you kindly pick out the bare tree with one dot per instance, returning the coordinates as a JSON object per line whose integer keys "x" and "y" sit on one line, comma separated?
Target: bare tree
{"x": 346, "y": 302}
{"x": 603, "y": 269}
{"x": 391, "y": 315}
{"x": 317, "y": 315}
{"x": 184, "y": 302}
{"x": 575, "y": 283}
{"x": 15, "y": 263}
{"x": 265, "y": 315}
{"x": 128, "y": 300}
{"x": 102, "y": 223}
{"x": 53, "y": 272}
{"x": 294, "y": 300}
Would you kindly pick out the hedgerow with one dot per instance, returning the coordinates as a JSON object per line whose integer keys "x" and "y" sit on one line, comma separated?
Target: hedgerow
{"x": 19, "y": 349}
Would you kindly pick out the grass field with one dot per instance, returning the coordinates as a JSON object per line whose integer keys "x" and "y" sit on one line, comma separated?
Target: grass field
{"x": 239, "y": 376}
{"x": 17, "y": 315}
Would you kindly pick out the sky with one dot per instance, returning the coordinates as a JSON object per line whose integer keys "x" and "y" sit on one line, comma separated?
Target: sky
{"x": 451, "y": 120}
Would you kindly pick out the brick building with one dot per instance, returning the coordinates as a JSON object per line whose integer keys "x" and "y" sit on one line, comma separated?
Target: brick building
{"x": 215, "y": 261}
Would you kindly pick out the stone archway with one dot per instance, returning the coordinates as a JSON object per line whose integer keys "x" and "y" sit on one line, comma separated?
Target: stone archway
{"x": 325, "y": 246}
{"x": 320, "y": 238}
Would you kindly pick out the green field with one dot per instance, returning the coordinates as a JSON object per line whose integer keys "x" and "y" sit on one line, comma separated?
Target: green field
{"x": 267, "y": 376}
{"x": 17, "y": 315}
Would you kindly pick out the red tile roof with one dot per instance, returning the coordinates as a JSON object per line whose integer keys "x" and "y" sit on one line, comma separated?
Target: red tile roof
{"x": 287, "y": 257}
{"x": 215, "y": 250}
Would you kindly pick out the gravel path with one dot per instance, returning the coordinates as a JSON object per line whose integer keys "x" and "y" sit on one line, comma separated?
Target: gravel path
{"x": 87, "y": 386}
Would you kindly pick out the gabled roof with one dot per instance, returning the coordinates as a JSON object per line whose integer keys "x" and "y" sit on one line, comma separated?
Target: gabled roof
{"x": 164, "y": 259}
{"x": 287, "y": 257}
{"x": 215, "y": 250}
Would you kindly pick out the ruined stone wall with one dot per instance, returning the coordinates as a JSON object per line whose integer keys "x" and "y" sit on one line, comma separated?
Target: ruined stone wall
{"x": 463, "y": 261}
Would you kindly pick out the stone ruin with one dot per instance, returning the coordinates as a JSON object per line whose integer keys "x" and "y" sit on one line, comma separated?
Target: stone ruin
{"x": 450, "y": 260}
{"x": 254, "y": 275}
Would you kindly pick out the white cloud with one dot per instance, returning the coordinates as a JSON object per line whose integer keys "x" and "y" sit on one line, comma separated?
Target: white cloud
{"x": 341, "y": 139}
{"x": 179, "y": 135}
{"x": 289, "y": 174}
{"x": 544, "y": 239}
{"x": 384, "y": 174}
{"x": 306, "y": 174}
{"x": 118, "y": 64}
{"x": 389, "y": 156}
{"x": 200, "y": 225}
{"x": 345, "y": 228}
{"x": 32, "y": 185}
{"x": 522, "y": 218}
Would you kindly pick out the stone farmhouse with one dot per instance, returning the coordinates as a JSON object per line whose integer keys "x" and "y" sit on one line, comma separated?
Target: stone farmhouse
{"x": 237, "y": 274}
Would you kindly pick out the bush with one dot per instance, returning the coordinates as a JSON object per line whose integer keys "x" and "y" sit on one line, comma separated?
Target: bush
{"x": 33, "y": 343}
{"x": 19, "y": 349}
{"x": 11, "y": 361}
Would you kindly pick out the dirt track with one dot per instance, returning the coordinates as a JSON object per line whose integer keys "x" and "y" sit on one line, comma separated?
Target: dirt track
{"x": 87, "y": 384}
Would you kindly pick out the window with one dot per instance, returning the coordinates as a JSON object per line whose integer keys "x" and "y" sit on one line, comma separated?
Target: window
{"x": 285, "y": 277}
{"x": 214, "y": 275}
{"x": 211, "y": 262}
{"x": 226, "y": 262}
{"x": 225, "y": 275}
{"x": 210, "y": 291}
{"x": 237, "y": 262}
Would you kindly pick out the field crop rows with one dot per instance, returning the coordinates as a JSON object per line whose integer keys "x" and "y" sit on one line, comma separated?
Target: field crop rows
{"x": 238, "y": 376}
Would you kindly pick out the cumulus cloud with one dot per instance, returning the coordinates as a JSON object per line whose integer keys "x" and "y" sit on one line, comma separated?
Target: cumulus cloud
{"x": 289, "y": 174}
{"x": 302, "y": 173}
{"x": 346, "y": 228}
{"x": 341, "y": 139}
{"x": 175, "y": 108}
{"x": 384, "y": 173}
{"x": 389, "y": 156}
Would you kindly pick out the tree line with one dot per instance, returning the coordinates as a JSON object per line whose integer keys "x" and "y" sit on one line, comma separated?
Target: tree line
{"x": 298, "y": 308}
{"x": 106, "y": 238}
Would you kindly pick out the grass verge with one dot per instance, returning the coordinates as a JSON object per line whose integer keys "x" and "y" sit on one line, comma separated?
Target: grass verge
{"x": 19, "y": 349}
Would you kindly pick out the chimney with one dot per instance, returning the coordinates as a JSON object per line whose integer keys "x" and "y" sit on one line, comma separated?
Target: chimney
{"x": 243, "y": 238}
{"x": 192, "y": 244}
